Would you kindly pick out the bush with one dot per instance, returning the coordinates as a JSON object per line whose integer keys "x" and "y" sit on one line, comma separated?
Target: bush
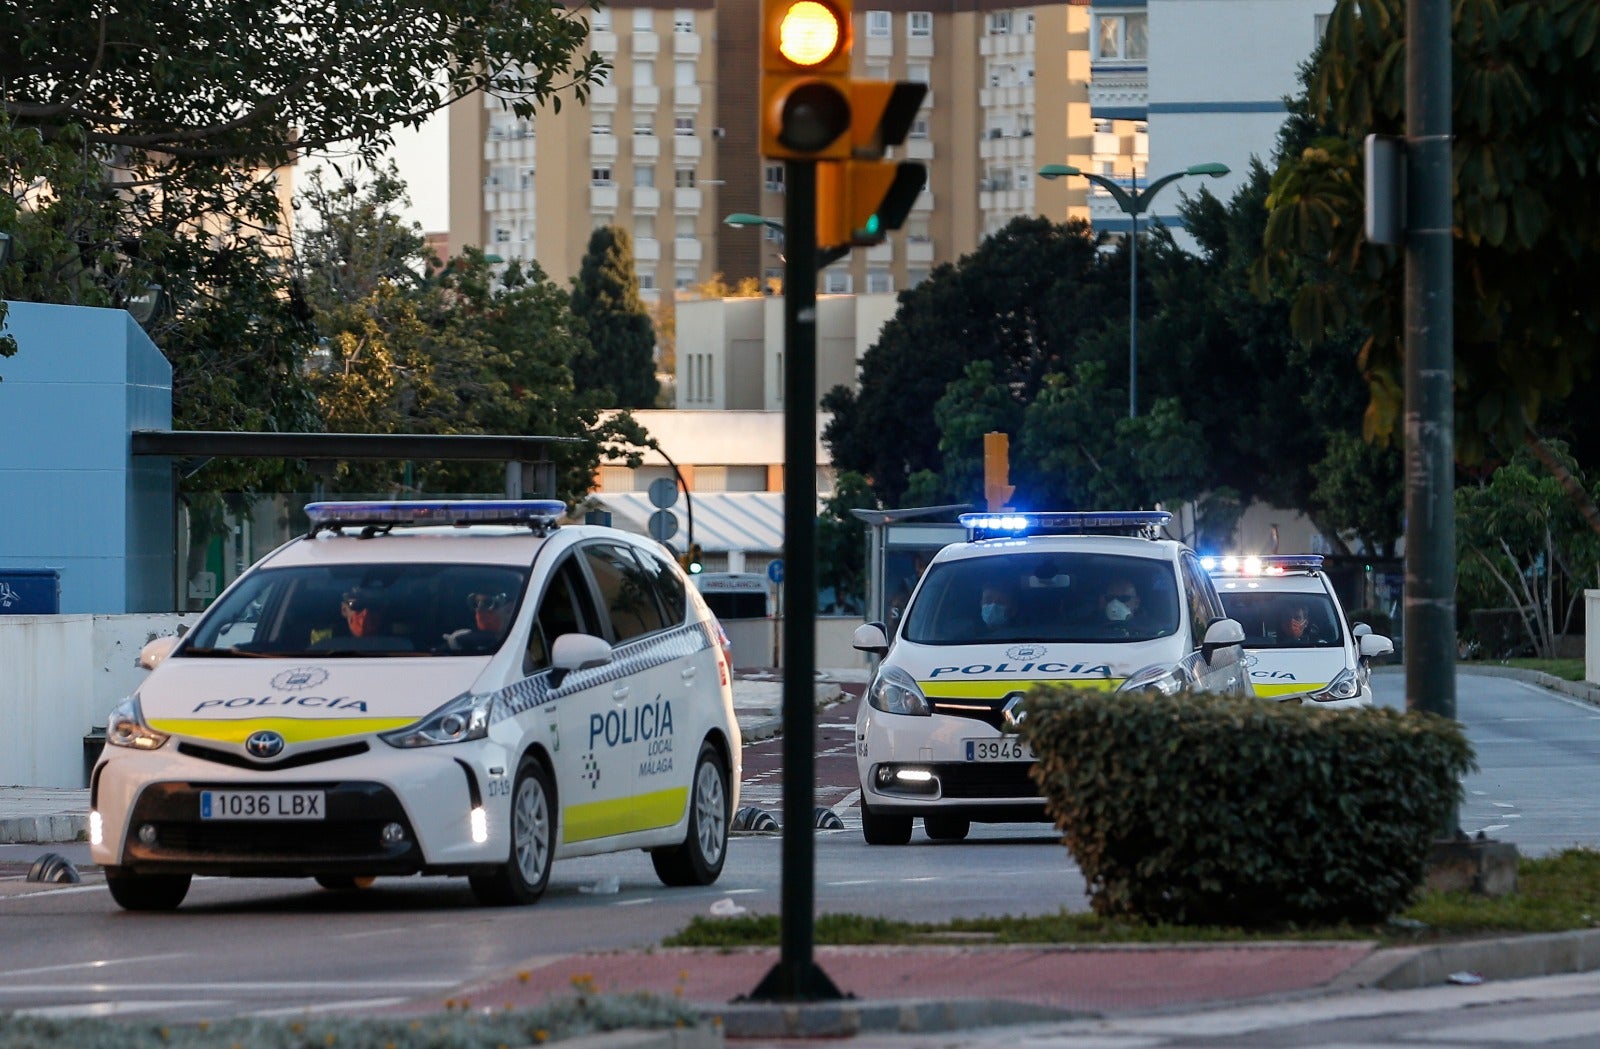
{"x": 1203, "y": 809}
{"x": 1376, "y": 618}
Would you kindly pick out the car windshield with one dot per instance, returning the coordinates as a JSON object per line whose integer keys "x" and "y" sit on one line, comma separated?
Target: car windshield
{"x": 1044, "y": 597}
{"x": 1284, "y": 620}
{"x": 362, "y": 610}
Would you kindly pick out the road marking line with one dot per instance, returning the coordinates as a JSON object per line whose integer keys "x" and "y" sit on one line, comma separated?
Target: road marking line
{"x": 97, "y": 964}
{"x": 328, "y": 1007}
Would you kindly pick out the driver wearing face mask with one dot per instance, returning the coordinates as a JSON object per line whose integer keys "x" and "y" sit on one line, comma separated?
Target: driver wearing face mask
{"x": 998, "y": 607}
{"x": 1119, "y": 601}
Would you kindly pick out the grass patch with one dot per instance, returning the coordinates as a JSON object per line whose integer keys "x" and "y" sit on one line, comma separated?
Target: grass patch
{"x": 1554, "y": 894}
{"x": 1565, "y": 669}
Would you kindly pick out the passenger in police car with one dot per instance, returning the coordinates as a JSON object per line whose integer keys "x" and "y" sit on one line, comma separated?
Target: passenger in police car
{"x": 365, "y": 614}
{"x": 488, "y": 623}
{"x": 997, "y": 607}
{"x": 1119, "y": 601}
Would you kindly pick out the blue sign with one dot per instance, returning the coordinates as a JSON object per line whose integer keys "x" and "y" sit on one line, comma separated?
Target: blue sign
{"x": 775, "y": 571}
{"x": 30, "y": 591}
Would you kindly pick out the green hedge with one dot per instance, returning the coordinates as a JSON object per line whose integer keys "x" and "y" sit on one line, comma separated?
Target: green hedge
{"x": 1203, "y": 809}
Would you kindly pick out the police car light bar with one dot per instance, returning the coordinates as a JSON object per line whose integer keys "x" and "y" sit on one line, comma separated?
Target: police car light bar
{"x": 538, "y": 513}
{"x": 1262, "y": 564}
{"x": 1105, "y": 522}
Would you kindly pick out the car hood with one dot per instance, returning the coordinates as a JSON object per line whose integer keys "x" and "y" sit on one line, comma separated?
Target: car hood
{"x": 992, "y": 671}
{"x": 225, "y": 700}
{"x": 1279, "y": 672}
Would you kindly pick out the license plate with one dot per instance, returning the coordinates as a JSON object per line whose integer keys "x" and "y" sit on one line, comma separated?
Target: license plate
{"x": 263, "y": 805}
{"x": 1005, "y": 748}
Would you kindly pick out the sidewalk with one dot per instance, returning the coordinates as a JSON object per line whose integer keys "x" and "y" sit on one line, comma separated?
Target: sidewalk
{"x": 57, "y": 814}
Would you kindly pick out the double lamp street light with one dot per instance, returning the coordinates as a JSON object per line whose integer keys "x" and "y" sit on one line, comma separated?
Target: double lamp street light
{"x": 1134, "y": 203}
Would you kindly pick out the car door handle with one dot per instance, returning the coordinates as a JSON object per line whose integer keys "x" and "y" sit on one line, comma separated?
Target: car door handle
{"x": 688, "y": 673}
{"x": 619, "y": 693}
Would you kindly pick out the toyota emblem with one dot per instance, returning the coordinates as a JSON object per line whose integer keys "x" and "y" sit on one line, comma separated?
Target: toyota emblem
{"x": 264, "y": 745}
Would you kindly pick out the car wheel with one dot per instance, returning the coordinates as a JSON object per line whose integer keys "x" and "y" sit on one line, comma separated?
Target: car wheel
{"x": 147, "y": 892}
{"x": 946, "y": 828}
{"x": 882, "y": 829}
{"x": 698, "y": 861}
{"x": 345, "y": 882}
{"x": 526, "y": 872}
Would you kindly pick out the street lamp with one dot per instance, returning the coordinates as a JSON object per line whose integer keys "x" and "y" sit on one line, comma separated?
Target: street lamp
{"x": 825, "y": 256}
{"x": 1134, "y": 204}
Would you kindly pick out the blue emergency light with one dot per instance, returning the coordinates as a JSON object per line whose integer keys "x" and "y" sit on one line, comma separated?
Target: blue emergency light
{"x": 1262, "y": 564}
{"x": 537, "y": 513}
{"x": 1100, "y": 522}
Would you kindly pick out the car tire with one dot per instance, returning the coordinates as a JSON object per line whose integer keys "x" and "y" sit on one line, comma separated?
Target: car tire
{"x": 882, "y": 829}
{"x": 147, "y": 892}
{"x": 345, "y": 882}
{"x": 946, "y": 828}
{"x": 699, "y": 859}
{"x": 521, "y": 880}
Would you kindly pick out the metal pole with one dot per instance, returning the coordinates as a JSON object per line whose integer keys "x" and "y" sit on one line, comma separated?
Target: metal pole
{"x": 1133, "y": 308}
{"x": 796, "y": 976}
{"x": 1430, "y": 609}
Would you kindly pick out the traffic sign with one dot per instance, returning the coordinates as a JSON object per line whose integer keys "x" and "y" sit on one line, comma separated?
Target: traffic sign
{"x": 663, "y": 525}
{"x": 663, "y": 493}
{"x": 775, "y": 571}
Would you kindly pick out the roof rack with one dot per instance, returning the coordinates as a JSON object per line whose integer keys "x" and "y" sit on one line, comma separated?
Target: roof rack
{"x": 374, "y": 518}
{"x": 1262, "y": 564}
{"x": 1146, "y": 523}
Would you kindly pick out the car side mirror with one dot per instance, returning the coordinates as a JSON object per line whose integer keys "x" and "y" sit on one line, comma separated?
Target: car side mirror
{"x": 1224, "y": 633}
{"x": 870, "y": 637}
{"x": 1360, "y": 630}
{"x": 577, "y": 652}
{"x": 156, "y": 650}
{"x": 1373, "y": 645}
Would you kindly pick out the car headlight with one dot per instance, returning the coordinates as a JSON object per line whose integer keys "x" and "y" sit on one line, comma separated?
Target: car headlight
{"x": 464, "y": 718}
{"x": 894, "y": 691}
{"x": 126, "y": 727}
{"x": 1345, "y": 685}
{"x": 1157, "y": 677}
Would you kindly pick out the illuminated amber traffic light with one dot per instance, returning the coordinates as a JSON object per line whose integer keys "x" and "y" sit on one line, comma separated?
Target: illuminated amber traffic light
{"x": 805, "y": 79}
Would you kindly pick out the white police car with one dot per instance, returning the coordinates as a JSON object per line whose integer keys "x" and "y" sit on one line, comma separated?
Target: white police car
{"x": 446, "y": 688}
{"x": 1094, "y": 600}
{"x": 1297, "y": 642}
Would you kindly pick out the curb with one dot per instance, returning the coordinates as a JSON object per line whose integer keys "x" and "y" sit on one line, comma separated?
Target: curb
{"x": 764, "y": 722}
{"x": 1503, "y": 958}
{"x": 849, "y": 1017}
{"x": 42, "y": 830}
{"x": 703, "y": 1036}
{"x": 1580, "y": 690}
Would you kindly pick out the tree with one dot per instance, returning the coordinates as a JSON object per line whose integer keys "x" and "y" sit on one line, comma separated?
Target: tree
{"x": 842, "y": 541}
{"x": 1527, "y": 220}
{"x": 1021, "y": 302}
{"x": 1520, "y": 533}
{"x": 605, "y": 295}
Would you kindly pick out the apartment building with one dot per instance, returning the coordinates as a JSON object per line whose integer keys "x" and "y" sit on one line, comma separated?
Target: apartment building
{"x": 669, "y": 145}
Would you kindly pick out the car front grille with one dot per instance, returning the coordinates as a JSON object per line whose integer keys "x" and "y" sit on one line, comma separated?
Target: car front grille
{"x": 239, "y": 761}
{"x": 1001, "y": 779}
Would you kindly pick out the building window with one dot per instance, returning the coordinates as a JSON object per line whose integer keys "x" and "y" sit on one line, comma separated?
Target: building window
{"x": 877, "y": 71}
{"x": 999, "y": 23}
{"x": 920, "y": 23}
{"x": 600, "y": 20}
{"x": 600, "y": 177}
{"x": 877, "y": 23}
{"x": 644, "y": 227}
{"x": 686, "y": 227}
{"x": 915, "y": 277}
{"x": 683, "y": 277}
{"x": 917, "y": 231}
{"x": 919, "y": 128}
{"x": 836, "y": 282}
{"x": 601, "y": 125}
{"x": 502, "y": 236}
{"x": 644, "y": 177}
{"x": 920, "y": 72}
{"x": 772, "y": 234}
{"x": 683, "y": 74}
{"x": 643, "y": 126}
{"x": 683, "y": 21}
{"x": 644, "y": 72}
{"x": 601, "y": 219}
{"x": 643, "y": 20}
{"x": 1123, "y": 38}
{"x": 647, "y": 282}
{"x": 683, "y": 178}
{"x": 774, "y": 178}
{"x": 879, "y": 281}
{"x": 683, "y": 127}
{"x": 1027, "y": 23}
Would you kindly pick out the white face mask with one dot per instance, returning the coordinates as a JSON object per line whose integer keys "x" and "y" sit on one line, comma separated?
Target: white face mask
{"x": 993, "y": 614}
{"x": 1116, "y": 611}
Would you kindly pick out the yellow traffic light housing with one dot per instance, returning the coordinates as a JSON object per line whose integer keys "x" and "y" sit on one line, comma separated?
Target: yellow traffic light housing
{"x": 805, "y": 79}
{"x": 861, "y": 198}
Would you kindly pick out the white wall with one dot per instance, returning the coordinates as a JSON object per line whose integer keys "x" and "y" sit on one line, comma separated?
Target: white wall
{"x": 63, "y": 674}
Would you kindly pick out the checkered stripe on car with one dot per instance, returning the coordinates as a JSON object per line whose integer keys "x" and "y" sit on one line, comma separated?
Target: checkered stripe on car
{"x": 632, "y": 658}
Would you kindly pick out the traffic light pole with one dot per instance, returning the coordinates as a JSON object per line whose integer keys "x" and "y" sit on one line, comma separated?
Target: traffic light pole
{"x": 796, "y": 976}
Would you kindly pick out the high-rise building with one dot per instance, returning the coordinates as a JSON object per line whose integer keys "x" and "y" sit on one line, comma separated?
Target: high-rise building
{"x": 668, "y": 146}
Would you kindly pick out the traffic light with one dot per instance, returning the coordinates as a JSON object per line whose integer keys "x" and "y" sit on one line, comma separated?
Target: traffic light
{"x": 691, "y": 561}
{"x": 861, "y": 198}
{"x": 805, "y": 79}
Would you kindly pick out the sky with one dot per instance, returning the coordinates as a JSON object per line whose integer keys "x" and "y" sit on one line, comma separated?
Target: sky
{"x": 423, "y": 158}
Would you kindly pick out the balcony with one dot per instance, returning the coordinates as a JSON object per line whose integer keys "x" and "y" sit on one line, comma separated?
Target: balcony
{"x": 603, "y": 147}
{"x": 685, "y": 249}
{"x": 881, "y": 252}
{"x": 646, "y": 198}
{"x": 687, "y": 200}
{"x": 916, "y": 149}
{"x": 1119, "y": 88}
{"x": 646, "y": 43}
{"x": 924, "y": 201}
{"x": 647, "y": 249}
{"x": 919, "y": 251}
{"x": 603, "y": 41}
{"x": 603, "y": 96}
{"x": 646, "y": 147}
{"x": 880, "y": 46}
{"x": 602, "y": 198}
{"x": 687, "y": 44}
{"x": 685, "y": 147}
{"x": 646, "y": 96}
{"x": 919, "y": 47}
{"x": 686, "y": 96}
